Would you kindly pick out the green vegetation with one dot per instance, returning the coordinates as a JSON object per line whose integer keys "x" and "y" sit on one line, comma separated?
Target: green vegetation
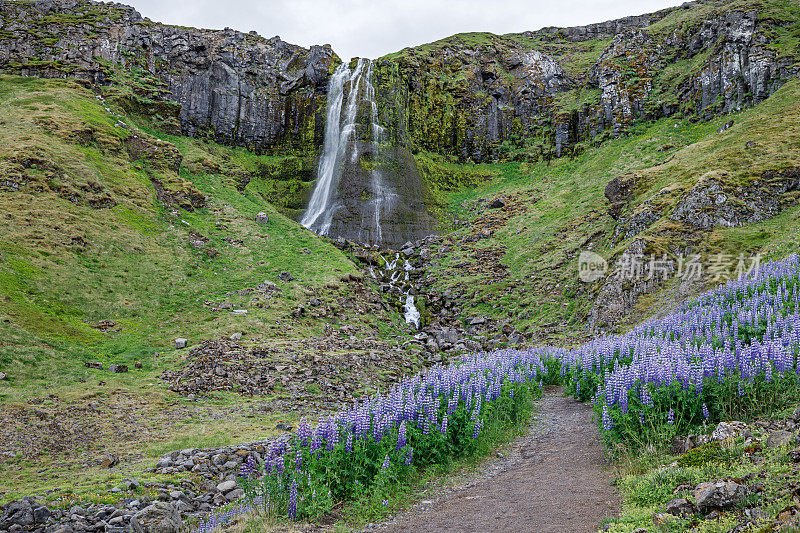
{"x": 86, "y": 237}
{"x": 565, "y": 210}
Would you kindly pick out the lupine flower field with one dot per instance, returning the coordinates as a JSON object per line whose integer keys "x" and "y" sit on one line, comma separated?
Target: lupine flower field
{"x": 732, "y": 352}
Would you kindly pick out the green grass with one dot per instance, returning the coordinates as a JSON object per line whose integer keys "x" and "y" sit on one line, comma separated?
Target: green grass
{"x": 647, "y": 482}
{"x": 65, "y": 265}
{"x": 541, "y": 245}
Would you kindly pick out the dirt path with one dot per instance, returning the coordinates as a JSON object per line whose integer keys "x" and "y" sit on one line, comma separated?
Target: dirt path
{"x": 553, "y": 479}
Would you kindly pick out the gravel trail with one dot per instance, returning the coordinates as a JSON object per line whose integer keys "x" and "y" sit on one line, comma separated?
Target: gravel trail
{"x": 553, "y": 479}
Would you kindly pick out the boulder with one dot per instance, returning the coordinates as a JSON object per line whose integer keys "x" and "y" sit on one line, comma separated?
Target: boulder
{"x": 262, "y": 218}
{"x": 728, "y": 430}
{"x": 285, "y": 276}
{"x": 226, "y": 486}
{"x": 681, "y": 507}
{"x": 497, "y": 203}
{"x": 158, "y": 517}
{"x": 181, "y": 343}
{"x": 117, "y": 369}
{"x": 780, "y": 438}
{"x": 18, "y": 513}
{"x": 3, "y": 376}
{"x": 719, "y": 495}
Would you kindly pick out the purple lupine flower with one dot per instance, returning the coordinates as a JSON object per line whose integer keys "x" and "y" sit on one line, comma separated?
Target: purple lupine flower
{"x": 409, "y": 455}
{"x": 386, "y": 463}
{"x": 705, "y": 412}
{"x": 348, "y": 447}
{"x": 671, "y": 417}
{"x": 401, "y": 435}
{"x": 607, "y": 423}
{"x": 444, "y": 426}
{"x": 293, "y": 500}
{"x": 248, "y": 468}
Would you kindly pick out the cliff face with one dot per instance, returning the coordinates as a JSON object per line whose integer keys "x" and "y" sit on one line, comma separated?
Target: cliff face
{"x": 265, "y": 94}
{"x": 476, "y": 97}
{"x": 546, "y": 93}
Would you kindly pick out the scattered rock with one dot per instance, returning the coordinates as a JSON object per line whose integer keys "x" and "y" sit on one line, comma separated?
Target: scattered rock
{"x": 93, "y": 364}
{"x": 226, "y": 486}
{"x": 719, "y": 495}
{"x": 117, "y": 369}
{"x": 158, "y": 517}
{"x": 181, "y": 343}
{"x": 236, "y": 337}
{"x": 3, "y": 376}
{"x": 681, "y": 507}
{"x": 779, "y": 438}
{"x": 497, "y": 203}
{"x": 138, "y": 364}
{"x": 283, "y": 426}
{"x": 728, "y": 430}
{"x": 662, "y": 519}
{"x": 109, "y": 460}
{"x": 728, "y": 125}
{"x": 285, "y": 276}
{"x": 262, "y": 218}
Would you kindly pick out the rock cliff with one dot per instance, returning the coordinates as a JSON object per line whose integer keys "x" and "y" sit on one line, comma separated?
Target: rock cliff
{"x": 239, "y": 88}
{"x": 548, "y": 93}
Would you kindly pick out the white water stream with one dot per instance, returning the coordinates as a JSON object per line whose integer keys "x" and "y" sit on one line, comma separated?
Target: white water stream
{"x": 394, "y": 273}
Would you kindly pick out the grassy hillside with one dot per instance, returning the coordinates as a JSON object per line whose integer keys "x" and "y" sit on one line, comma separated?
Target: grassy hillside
{"x": 558, "y": 209}
{"x": 115, "y": 239}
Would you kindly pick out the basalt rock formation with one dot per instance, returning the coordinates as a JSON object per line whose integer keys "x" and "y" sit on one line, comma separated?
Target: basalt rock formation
{"x": 480, "y": 96}
{"x": 473, "y": 96}
{"x": 239, "y": 88}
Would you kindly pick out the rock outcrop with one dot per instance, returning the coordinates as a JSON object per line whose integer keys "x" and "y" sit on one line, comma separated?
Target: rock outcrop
{"x": 477, "y": 96}
{"x": 239, "y": 88}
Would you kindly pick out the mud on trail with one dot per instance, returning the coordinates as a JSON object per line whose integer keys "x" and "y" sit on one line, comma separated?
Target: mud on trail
{"x": 553, "y": 479}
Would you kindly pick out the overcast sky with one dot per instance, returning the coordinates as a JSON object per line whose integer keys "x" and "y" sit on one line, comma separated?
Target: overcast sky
{"x": 372, "y": 28}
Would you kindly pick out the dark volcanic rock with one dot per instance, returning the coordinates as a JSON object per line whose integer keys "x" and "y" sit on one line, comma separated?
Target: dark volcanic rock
{"x": 238, "y": 87}
{"x": 710, "y": 203}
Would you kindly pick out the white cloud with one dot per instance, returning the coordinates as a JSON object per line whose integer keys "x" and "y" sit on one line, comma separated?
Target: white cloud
{"x": 374, "y": 28}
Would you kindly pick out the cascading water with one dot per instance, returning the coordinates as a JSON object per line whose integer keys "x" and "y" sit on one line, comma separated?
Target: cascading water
{"x": 397, "y": 278}
{"x": 352, "y": 122}
{"x": 319, "y": 213}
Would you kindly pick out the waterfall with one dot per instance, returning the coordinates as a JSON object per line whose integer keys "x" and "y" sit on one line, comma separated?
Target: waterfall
{"x": 341, "y": 149}
{"x": 411, "y": 312}
{"x": 318, "y": 214}
{"x": 397, "y": 278}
